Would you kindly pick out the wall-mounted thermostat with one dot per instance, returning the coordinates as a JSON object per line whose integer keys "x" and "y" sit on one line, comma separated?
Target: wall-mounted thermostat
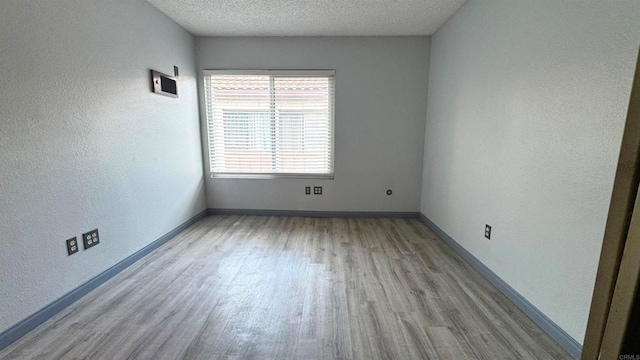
{"x": 164, "y": 84}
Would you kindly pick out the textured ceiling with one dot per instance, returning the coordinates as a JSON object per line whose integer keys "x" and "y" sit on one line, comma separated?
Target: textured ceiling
{"x": 309, "y": 17}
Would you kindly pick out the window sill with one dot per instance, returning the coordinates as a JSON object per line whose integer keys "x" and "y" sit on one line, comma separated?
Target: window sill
{"x": 271, "y": 176}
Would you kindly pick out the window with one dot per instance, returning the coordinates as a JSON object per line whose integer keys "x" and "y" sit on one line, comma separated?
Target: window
{"x": 268, "y": 124}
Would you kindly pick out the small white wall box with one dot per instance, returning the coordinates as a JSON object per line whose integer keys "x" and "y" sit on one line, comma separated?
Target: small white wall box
{"x": 164, "y": 84}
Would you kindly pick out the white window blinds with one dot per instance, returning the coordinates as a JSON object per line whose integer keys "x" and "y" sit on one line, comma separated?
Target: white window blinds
{"x": 270, "y": 123}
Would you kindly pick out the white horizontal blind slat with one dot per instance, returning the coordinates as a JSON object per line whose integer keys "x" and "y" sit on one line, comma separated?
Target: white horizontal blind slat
{"x": 280, "y": 73}
{"x": 270, "y": 124}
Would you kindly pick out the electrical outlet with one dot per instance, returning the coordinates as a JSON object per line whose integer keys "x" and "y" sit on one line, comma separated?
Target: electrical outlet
{"x": 307, "y": 190}
{"x": 487, "y": 231}
{"x": 90, "y": 239}
{"x": 317, "y": 190}
{"x": 72, "y": 246}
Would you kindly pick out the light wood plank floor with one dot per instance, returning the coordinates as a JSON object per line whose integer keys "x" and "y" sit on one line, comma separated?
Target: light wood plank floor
{"x": 243, "y": 287}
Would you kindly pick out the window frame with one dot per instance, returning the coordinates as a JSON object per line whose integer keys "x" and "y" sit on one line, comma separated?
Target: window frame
{"x": 280, "y": 74}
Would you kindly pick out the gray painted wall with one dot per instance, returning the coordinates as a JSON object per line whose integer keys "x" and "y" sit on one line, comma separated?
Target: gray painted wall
{"x": 527, "y": 102}
{"x": 381, "y": 89}
{"x": 84, "y": 144}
